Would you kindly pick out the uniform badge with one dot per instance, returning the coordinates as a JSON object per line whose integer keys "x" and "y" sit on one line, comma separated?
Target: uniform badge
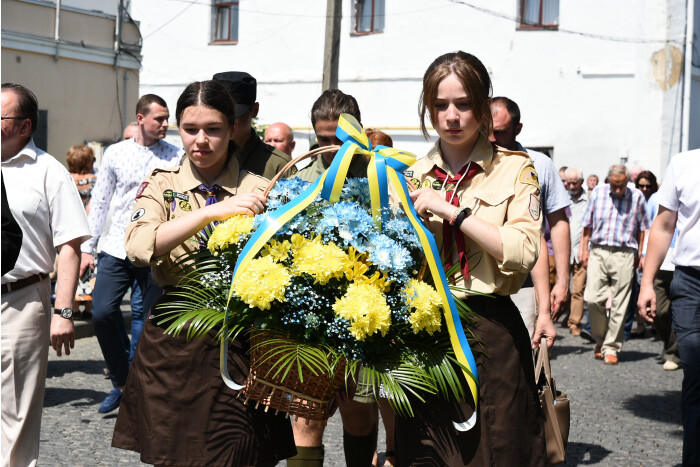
{"x": 181, "y": 196}
{"x": 168, "y": 196}
{"x": 437, "y": 185}
{"x": 450, "y": 187}
{"x": 138, "y": 214}
{"x": 408, "y": 173}
{"x": 416, "y": 182}
{"x": 139, "y": 192}
{"x": 535, "y": 208}
{"x": 185, "y": 205}
{"x": 426, "y": 184}
{"x": 528, "y": 176}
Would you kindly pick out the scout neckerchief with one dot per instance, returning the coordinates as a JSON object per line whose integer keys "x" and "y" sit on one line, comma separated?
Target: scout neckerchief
{"x": 211, "y": 199}
{"x": 450, "y": 231}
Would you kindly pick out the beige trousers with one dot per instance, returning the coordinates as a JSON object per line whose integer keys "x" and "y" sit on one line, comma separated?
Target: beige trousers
{"x": 24, "y": 347}
{"x": 610, "y": 271}
{"x": 578, "y": 285}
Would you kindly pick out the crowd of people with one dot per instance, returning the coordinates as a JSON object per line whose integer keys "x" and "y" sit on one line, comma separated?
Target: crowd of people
{"x": 550, "y": 248}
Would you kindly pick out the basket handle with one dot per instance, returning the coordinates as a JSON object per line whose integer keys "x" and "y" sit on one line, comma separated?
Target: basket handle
{"x": 307, "y": 155}
{"x": 291, "y": 163}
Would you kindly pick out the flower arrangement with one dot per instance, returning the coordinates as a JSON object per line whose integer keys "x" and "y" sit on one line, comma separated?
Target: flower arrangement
{"x": 328, "y": 278}
{"x": 336, "y": 286}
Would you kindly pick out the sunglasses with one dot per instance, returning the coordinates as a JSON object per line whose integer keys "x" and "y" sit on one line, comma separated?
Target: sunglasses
{"x": 644, "y": 187}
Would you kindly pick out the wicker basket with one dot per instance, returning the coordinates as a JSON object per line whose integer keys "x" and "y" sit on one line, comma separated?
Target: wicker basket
{"x": 310, "y": 399}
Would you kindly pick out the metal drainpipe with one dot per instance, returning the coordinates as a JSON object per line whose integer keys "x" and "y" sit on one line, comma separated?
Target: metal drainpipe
{"x": 688, "y": 75}
{"x": 126, "y": 98}
{"x": 57, "y": 23}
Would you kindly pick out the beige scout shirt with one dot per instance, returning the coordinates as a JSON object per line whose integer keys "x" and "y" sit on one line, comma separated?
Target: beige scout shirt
{"x": 169, "y": 194}
{"x": 505, "y": 194}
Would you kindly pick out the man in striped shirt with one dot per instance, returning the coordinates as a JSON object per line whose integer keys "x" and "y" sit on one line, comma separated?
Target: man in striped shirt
{"x": 614, "y": 223}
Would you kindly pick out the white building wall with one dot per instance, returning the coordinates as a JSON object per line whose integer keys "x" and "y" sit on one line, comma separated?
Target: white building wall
{"x": 595, "y": 100}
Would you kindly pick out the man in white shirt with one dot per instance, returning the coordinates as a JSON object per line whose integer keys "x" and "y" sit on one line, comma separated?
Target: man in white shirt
{"x": 506, "y": 127}
{"x": 579, "y": 201}
{"x": 679, "y": 209}
{"x": 124, "y": 167}
{"x": 45, "y": 203}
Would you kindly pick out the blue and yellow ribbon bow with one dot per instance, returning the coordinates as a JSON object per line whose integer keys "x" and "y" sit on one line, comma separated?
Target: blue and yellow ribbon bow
{"x": 386, "y": 166}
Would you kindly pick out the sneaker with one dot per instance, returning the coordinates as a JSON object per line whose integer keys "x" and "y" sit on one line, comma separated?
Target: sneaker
{"x": 670, "y": 366}
{"x": 111, "y": 402}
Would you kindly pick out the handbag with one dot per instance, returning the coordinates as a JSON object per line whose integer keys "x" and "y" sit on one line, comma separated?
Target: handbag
{"x": 555, "y": 407}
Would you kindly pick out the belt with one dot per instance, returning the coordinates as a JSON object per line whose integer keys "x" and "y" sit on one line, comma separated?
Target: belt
{"x": 22, "y": 283}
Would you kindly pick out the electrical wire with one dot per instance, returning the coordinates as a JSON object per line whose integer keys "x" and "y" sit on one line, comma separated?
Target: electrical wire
{"x": 169, "y": 21}
{"x": 517, "y": 20}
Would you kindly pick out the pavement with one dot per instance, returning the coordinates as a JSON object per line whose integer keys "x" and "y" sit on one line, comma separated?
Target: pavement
{"x": 624, "y": 415}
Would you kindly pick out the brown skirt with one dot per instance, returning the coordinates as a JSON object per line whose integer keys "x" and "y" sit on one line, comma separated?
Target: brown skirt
{"x": 176, "y": 409}
{"x": 509, "y": 428}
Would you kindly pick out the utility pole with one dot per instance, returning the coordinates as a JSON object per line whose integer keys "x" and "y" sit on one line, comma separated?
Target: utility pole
{"x": 331, "y": 52}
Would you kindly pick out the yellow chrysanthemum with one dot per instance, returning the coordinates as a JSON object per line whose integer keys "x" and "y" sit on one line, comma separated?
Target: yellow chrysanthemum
{"x": 278, "y": 250}
{"x": 364, "y": 306}
{"x": 426, "y": 303}
{"x": 261, "y": 282}
{"x": 321, "y": 261}
{"x": 229, "y": 232}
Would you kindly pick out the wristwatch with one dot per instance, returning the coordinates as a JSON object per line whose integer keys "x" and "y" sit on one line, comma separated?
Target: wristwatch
{"x": 463, "y": 214}
{"x": 64, "y": 312}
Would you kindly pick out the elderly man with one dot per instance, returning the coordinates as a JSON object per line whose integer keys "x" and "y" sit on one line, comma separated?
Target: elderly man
{"x": 45, "y": 203}
{"x": 579, "y": 201}
{"x": 255, "y": 156}
{"x": 124, "y": 167}
{"x": 506, "y": 127}
{"x": 614, "y": 222}
{"x": 591, "y": 182}
{"x": 280, "y": 136}
{"x": 679, "y": 209}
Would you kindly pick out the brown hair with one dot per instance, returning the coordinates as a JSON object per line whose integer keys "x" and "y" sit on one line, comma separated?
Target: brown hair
{"x": 80, "y": 159}
{"x": 649, "y": 176}
{"x": 475, "y": 79}
{"x": 143, "y": 106}
{"x": 331, "y": 104}
{"x": 377, "y": 137}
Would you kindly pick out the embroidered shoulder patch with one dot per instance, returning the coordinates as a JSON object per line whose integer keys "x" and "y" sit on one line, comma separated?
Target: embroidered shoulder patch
{"x": 139, "y": 192}
{"x": 168, "y": 196}
{"x": 535, "y": 207}
{"x": 528, "y": 176}
{"x": 138, "y": 214}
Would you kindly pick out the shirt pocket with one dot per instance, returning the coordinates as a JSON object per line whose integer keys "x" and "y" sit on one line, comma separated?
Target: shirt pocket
{"x": 492, "y": 205}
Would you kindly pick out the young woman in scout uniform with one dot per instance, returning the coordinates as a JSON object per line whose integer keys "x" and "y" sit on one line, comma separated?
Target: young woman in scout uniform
{"x": 482, "y": 205}
{"x": 176, "y": 409}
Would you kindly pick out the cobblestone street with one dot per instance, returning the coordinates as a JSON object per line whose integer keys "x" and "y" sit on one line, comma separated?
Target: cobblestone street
{"x": 625, "y": 415}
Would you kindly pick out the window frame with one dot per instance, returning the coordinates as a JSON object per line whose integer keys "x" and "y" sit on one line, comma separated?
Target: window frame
{"x": 357, "y": 20}
{"x": 230, "y": 6}
{"x": 522, "y": 26}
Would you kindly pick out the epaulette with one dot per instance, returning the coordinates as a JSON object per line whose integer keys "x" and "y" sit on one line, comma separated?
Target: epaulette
{"x": 175, "y": 169}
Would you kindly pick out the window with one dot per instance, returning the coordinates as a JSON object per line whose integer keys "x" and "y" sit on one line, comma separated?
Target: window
{"x": 225, "y": 21}
{"x": 539, "y": 14}
{"x": 368, "y": 16}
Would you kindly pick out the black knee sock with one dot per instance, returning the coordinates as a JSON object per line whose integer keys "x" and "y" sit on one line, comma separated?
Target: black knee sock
{"x": 359, "y": 450}
{"x": 307, "y": 456}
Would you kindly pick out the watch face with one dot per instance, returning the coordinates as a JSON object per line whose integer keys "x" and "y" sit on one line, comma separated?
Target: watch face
{"x": 67, "y": 313}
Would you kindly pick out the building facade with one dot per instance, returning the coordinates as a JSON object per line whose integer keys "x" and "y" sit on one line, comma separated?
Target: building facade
{"x": 82, "y": 61}
{"x": 597, "y": 82}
